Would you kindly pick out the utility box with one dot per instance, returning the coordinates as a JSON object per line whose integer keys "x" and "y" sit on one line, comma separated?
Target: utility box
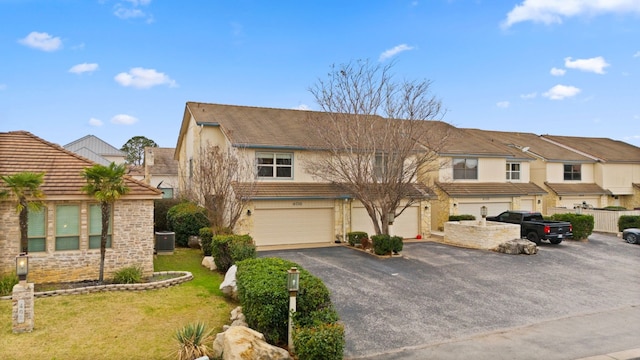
{"x": 165, "y": 242}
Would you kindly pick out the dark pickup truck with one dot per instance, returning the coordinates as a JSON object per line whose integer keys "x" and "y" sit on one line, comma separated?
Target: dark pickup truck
{"x": 534, "y": 227}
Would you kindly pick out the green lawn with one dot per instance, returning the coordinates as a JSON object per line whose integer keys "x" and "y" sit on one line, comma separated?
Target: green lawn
{"x": 120, "y": 325}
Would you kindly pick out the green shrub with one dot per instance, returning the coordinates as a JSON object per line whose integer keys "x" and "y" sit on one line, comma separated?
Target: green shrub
{"x": 7, "y": 282}
{"x": 192, "y": 341}
{"x": 160, "y": 209}
{"x": 263, "y": 295}
{"x": 186, "y": 219}
{"x": 461, "y": 217}
{"x": 206, "y": 239}
{"x": 319, "y": 342}
{"x": 128, "y": 275}
{"x": 229, "y": 249}
{"x": 582, "y": 224}
{"x": 614, "y": 208}
{"x": 354, "y": 237}
{"x": 628, "y": 221}
{"x": 386, "y": 245}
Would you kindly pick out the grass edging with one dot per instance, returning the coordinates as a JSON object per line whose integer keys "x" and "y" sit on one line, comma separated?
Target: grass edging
{"x": 185, "y": 276}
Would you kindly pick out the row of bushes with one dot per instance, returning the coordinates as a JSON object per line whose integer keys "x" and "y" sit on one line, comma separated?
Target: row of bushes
{"x": 263, "y": 295}
{"x": 226, "y": 249}
{"x": 381, "y": 244}
{"x": 582, "y": 224}
{"x": 628, "y": 221}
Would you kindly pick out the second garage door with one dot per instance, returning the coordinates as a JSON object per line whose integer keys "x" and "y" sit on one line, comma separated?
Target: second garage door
{"x": 406, "y": 225}
{"x": 293, "y": 222}
{"x": 493, "y": 208}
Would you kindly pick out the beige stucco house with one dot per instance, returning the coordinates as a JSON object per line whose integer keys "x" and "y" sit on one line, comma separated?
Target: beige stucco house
{"x": 64, "y": 238}
{"x": 477, "y": 171}
{"x": 288, "y": 205}
{"x": 161, "y": 170}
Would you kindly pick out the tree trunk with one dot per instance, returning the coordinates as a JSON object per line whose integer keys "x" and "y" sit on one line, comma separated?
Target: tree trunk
{"x": 104, "y": 207}
{"x": 24, "y": 227}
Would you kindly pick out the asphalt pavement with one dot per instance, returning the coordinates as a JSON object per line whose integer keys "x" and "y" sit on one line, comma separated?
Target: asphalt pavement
{"x": 569, "y": 301}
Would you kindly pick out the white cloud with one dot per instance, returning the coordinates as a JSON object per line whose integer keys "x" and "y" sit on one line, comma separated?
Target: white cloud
{"x": 503, "y": 104}
{"x": 532, "y": 95}
{"x": 95, "y": 122}
{"x": 141, "y": 78}
{"x": 553, "y": 11}
{"x": 124, "y": 119}
{"x": 637, "y": 54}
{"x": 83, "y": 68}
{"x": 595, "y": 65}
{"x": 394, "y": 51}
{"x": 131, "y": 9}
{"x": 41, "y": 41}
{"x": 302, "y": 107}
{"x": 557, "y": 72}
{"x": 559, "y": 92}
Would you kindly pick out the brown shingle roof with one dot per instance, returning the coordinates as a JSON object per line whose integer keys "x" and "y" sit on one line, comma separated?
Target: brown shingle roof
{"x": 532, "y": 143}
{"x": 604, "y": 149}
{"x": 163, "y": 162}
{"x": 491, "y": 189}
{"x": 577, "y": 189}
{"x": 280, "y": 191}
{"x": 21, "y": 151}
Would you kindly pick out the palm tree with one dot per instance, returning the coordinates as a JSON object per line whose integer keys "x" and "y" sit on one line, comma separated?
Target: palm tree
{"x": 105, "y": 184}
{"x": 25, "y": 187}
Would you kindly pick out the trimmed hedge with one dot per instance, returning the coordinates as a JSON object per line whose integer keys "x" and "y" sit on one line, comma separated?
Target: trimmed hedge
{"x": 263, "y": 295}
{"x": 206, "y": 239}
{"x": 386, "y": 245}
{"x": 229, "y": 249}
{"x": 186, "y": 219}
{"x": 354, "y": 237}
{"x": 319, "y": 342}
{"x": 628, "y": 221}
{"x": 160, "y": 209}
{"x": 582, "y": 224}
{"x": 461, "y": 217}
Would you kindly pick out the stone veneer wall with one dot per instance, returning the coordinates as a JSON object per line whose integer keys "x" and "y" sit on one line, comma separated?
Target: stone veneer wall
{"x": 473, "y": 235}
{"x": 132, "y": 244}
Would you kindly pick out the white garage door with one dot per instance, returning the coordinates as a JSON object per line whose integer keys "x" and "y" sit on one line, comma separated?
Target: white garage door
{"x": 493, "y": 208}
{"x": 307, "y": 222}
{"x": 570, "y": 201}
{"x": 406, "y": 225}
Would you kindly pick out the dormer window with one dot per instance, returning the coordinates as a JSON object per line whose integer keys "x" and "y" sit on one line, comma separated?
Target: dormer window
{"x": 274, "y": 165}
{"x": 513, "y": 171}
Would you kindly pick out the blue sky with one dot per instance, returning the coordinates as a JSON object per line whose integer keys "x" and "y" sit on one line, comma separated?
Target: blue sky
{"x": 123, "y": 68}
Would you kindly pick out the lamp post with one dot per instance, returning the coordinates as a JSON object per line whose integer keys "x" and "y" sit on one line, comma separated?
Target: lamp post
{"x": 293, "y": 284}
{"x": 22, "y": 267}
{"x": 483, "y": 212}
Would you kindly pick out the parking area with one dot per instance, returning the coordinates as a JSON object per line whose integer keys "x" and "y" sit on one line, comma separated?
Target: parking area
{"x": 571, "y": 300}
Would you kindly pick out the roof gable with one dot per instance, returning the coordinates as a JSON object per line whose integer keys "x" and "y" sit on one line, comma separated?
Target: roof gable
{"x": 163, "y": 161}
{"x": 21, "y": 151}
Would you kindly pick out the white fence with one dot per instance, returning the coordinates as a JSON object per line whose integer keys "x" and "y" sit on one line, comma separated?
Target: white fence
{"x": 603, "y": 220}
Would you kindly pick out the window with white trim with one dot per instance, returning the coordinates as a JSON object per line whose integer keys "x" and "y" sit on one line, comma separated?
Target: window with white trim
{"x": 37, "y": 230}
{"x": 572, "y": 172}
{"x": 67, "y": 227}
{"x": 95, "y": 226}
{"x": 513, "y": 171}
{"x": 465, "y": 169}
{"x": 274, "y": 165}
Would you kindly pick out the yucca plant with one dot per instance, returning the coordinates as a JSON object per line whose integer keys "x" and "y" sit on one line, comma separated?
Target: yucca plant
{"x": 192, "y": 340}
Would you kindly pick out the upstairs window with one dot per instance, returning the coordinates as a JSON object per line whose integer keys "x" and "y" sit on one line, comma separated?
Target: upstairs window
{"x": 274, "y": 165}
{"x": 513, "y": 171}
{"x": 37, "y": 230}
{"x": 572, "y": 172}
{"x": 95, "y": 227}
{"x": 465, "y": 169}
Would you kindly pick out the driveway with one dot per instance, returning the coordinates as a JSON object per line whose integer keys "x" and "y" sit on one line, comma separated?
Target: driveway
{"x": 568, "y": 301}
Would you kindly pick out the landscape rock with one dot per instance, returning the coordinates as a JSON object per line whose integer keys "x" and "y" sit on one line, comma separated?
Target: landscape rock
{"x": 208, "y": 262}
{"x": 243, "y": 343}
{"x": 517, "y": 246}
{"x": 228, "y": 285}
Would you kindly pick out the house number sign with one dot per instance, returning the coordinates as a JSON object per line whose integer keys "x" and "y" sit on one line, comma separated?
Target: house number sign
{"x": 21, "y": 311}
{"x": 297, "y": 203}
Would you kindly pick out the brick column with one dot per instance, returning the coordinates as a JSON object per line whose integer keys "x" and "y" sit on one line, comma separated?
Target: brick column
{"x": 22, "y": 300}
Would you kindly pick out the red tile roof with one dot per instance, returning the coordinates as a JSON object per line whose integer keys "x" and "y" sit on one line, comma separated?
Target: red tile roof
{"x": 21, "y": 151}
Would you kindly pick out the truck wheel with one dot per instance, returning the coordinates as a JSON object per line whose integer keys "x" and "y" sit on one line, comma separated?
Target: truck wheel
{"x": 533, "y": 236}
{"x": 555, "y": 241}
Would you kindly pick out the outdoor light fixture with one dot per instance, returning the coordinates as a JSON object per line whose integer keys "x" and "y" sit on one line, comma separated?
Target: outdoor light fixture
{"x": 293, "y": 284}
{"x": 22, "y": 266}
{"x": 293, "y": 279}
{"x": 484, "y": 211}
{"x": 249, "y": 212}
